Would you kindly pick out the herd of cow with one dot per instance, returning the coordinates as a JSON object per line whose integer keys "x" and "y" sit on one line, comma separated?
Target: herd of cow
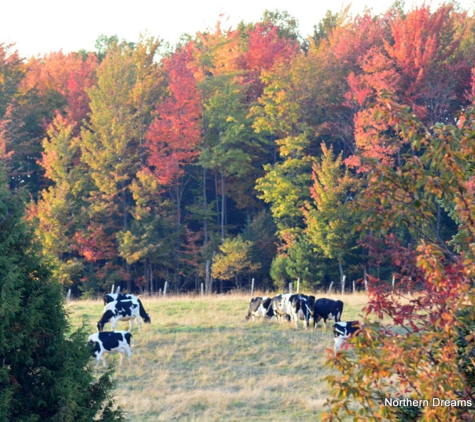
{"x": 283, "y": 307}
{"x": 118, "y": 307}
{"x": 295, "y": 307}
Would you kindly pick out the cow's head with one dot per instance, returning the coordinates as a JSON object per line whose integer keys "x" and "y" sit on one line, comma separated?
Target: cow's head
{"x": 106, "y": 317}
{"x": 95, "y": 348}
{"x": 147, "y": 319}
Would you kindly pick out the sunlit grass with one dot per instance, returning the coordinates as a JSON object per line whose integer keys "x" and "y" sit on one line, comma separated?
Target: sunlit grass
{"x": 200, "y": 360}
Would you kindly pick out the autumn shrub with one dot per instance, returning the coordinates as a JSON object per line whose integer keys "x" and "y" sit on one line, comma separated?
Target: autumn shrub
{"x": 420, "y": 345}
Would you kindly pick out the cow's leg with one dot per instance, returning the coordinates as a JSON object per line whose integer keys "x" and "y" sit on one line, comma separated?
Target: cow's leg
{"x": 121, "y": 358}
{"x": 315, "y": 321}
{"x": 129, "y": 354}
{"x": 104, "y": 360}
{"x": 139, "y": 322}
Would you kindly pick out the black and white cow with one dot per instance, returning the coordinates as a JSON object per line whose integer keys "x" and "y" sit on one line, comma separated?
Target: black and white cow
{"x": 280, "y": 307}
{"x": 343, "y": 331}
{"x": 300, "y": 309}
{"x": 123, "y": 310}
{"x": 325, "y": 309}
{"x": 110, "y": 342}
{"x": 258, "y": 307}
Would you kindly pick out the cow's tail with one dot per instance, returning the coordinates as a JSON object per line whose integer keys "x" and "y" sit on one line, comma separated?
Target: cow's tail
{"x": 143, "y": 314}
{"x": 340, "y": 312}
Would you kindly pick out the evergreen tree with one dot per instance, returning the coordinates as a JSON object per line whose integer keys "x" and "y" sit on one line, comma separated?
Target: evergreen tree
{"x": 44, "y": 374}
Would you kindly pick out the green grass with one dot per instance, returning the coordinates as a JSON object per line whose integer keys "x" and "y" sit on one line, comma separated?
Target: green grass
{"x": 200, "y": 360}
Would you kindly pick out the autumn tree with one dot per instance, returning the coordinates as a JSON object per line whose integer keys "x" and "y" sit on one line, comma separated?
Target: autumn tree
{"x": 66, "y": 77}
{"x": 286, "y": 110}
{"x": 329, "y": 219}
{"x": 173, "y": 138}
{"x": 234, "y": 260}
{"x": 421, "y": 63}
{"x": 112, "y": 144}
{"x": 59, "y": 211}
{"x": 53, "y": 83}
{"x": 420, "y": 345}
{"x": 265, "y": 48}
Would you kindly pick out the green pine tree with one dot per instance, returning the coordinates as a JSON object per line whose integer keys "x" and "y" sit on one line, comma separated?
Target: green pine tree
{"x": 44, "y": 372}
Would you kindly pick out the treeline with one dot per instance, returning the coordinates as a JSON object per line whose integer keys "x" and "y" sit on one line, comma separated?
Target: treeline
{"x": 237, "y": 154}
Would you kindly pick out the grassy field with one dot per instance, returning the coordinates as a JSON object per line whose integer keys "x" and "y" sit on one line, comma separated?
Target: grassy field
{"x": 200, "y": 360}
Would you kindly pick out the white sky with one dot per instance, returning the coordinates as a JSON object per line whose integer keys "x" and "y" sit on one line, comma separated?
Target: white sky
{"x": 43, "y": 26}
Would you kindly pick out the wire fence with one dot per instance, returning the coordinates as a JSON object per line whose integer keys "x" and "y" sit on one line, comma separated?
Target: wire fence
{"x": 328, "y": 288}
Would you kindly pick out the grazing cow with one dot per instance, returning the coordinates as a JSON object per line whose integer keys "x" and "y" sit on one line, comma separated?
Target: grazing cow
{"x": 110, "y": 342}
{"x": 343, "y": 331}
{"x": 111, "y": 297}
{"x": 300, "y": 309}
{"x": 124, "y": 310}
{"x": 327, "y": 308}
{"x": 258, "y": 307}
{"x": 280, "y": 307}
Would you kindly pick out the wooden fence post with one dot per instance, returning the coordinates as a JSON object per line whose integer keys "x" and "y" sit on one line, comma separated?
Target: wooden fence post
{"x": 365, "y": 282}
{"x": 112, "y": 289}
{"x": 298, "y": 284}
{"x": 330, "y": 288}
{"x": 118, "y": 290}
{"x": 68, "y": 296}
{"x": 202, "y": 290}
{"x": 252, "y": 287}
{"x": 354, "y": 287}
{"x": 207, "y": 275}
{"x": 290, "y": 288}
{"x": 165, "y": 288}
{"x": 343, "y": 284}
{"x": 394, "y": 279}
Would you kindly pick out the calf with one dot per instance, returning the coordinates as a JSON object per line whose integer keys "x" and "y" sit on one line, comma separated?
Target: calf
{"x": 124, "y": 310}
{"x": 110, "y": 342}
{"x": 258, "y": 307}
{"x": 325, "y": 309}
{"x": 343, "y": 331}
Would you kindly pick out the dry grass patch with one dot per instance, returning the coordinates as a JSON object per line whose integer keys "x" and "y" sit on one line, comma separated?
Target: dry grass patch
{"x": 200, "y": 360}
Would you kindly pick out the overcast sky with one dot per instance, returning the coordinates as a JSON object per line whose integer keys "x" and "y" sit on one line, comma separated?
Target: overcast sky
{"x": 42, "y": 26}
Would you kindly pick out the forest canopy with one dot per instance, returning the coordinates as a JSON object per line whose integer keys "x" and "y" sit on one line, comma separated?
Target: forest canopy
{"x": 148, "y": 165}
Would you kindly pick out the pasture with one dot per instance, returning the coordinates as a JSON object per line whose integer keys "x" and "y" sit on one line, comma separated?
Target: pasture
{"x": 200, "y": 360}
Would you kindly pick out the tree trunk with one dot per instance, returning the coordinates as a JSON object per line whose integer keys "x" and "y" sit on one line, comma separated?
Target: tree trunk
{"x": 340, "y": 266}
{"x": 205, "y": 209}
{"x": 223, "y": 206}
